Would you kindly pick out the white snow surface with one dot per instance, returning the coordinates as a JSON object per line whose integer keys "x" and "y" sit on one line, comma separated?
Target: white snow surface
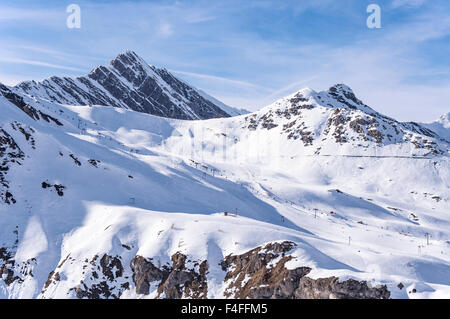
{"x": 441, "y": 126}
{"x": 229, "y": 109}
{"x": 161, "y": 186}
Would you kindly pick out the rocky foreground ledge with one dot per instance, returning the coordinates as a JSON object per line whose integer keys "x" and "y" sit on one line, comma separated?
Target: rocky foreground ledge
{"x": 257, "y": 274}
{"x": 254, "y": 275}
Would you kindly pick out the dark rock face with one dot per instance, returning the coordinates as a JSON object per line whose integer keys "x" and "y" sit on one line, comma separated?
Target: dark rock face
{"x": 5, "y": 254}
{"x": 8, "y": 274}
{"x": 251, "y": 277}
{"x": 104, "y": 278}
{"x": 8, "y": 265}
{"x": 175, "y": 281}
{"x": 331, "y": 288}
{"x": 75, "y": 159}
{"x": 18, "y": 101}
{"x": 128, "y": 82}
{"x": 10, "y": 153}
{"x": 27, "y": 132}
{"x": 58, "y": 188}
{"x": 261, "y": 273}
{"x": 10, "y": 270}
{"x": 345, "y": 95}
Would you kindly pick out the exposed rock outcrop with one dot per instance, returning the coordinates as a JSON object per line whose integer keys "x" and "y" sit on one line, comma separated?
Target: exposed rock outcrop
{"x": 175, "y": 281}
{"x": 103, "y": 278}
{"x": 18, "y": 101}
{"x": 261, "y": 273}
{"x": 12, "y": 271}
{"x": 10, "y": 153}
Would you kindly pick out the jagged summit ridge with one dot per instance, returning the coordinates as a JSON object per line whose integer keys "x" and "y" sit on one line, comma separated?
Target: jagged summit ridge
{"x": 128, "y": 82}
{"x": 129, "y": 57}
{"x": 338, "y": 96}
{"x": 331, "y": 121}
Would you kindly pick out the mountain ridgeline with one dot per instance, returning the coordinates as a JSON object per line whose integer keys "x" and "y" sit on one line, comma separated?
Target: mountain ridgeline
{"x": 128, "y": 82}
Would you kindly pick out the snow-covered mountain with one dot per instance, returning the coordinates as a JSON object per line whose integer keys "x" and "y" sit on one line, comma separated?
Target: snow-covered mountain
{"x": 335, "y": 122}
{"x": 441, "y": 126}
{"x": 314, "y": 196}
{"x": 129, "y": 82}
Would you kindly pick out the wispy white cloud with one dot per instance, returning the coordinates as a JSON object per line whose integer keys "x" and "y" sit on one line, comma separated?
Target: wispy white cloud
{"x": 219, "y": 79}
{"x": 199, "y": 19}
{"x": 50, "y": 52}
{"x": 407, "y": 3}
{"x": 39, "y": 63}
{"x": 31, "y": 16}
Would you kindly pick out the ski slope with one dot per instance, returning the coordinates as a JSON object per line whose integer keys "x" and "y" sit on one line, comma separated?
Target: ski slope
{"x": 358, "y": 204}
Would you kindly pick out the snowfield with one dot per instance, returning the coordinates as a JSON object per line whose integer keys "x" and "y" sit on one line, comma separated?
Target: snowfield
{"x": 362, "y": 195}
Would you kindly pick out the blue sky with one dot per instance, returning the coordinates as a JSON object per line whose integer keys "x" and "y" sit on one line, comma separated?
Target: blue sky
{"x": 247, "y": 53}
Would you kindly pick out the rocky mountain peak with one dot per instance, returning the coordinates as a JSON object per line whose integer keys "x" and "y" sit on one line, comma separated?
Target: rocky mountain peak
{"x": 339, "y": 96}
{"x": 341, "y": 88}
{"x": 129, "y": 59}
{"x": 129, "y": 82}
{"x": 345, "y": 96}
{"x": 445, "y": 120}
{"x": 306, "y": 92}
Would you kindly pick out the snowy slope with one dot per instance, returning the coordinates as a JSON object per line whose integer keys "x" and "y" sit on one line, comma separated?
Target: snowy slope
{"x": 102, "y": 195}
{"x": 230, "y": 110}
{"x": 441, "y": 126}
{"x": 129, "y": 82}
